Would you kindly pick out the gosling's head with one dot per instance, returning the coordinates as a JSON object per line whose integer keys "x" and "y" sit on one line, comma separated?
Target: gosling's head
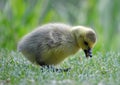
{"x": 85, "y": 39}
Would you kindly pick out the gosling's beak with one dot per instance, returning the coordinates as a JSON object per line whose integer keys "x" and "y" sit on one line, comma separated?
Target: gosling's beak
{"x": 88, "y": 53}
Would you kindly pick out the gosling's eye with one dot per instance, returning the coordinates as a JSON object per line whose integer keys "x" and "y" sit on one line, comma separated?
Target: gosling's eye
{"x": 85, "y": 43}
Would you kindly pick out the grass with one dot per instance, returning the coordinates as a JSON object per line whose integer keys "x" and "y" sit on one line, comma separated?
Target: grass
{"x": 101, "y": 69}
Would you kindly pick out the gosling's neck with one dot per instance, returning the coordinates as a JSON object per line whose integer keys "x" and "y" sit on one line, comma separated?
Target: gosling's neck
{"x": 75, "y": 38}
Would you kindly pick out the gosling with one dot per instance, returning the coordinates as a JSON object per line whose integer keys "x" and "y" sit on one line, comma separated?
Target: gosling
{"x": 50, "y": 44}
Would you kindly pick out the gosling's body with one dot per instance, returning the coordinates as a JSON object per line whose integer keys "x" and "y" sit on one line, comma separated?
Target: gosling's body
{"x": 52, "y": 43}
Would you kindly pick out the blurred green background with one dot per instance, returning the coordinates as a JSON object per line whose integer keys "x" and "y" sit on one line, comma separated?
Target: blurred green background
{"x": 18, "y": 17}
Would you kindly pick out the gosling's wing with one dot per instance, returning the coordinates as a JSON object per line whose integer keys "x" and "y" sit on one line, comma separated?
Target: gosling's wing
{"x": 55, "y": 39}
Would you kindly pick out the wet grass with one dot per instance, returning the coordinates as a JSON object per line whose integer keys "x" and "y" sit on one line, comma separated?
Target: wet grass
{"x": 101, "y": 69}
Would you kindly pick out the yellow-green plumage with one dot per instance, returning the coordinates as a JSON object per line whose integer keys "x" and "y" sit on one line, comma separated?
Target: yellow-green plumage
{"x": 52, "y": 43}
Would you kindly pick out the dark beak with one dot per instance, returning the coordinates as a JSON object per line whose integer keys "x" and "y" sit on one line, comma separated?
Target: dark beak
{"x": 88, "y": 53}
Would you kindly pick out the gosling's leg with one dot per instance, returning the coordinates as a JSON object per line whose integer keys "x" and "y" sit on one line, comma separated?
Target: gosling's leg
{"x": 52, "y": 68}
